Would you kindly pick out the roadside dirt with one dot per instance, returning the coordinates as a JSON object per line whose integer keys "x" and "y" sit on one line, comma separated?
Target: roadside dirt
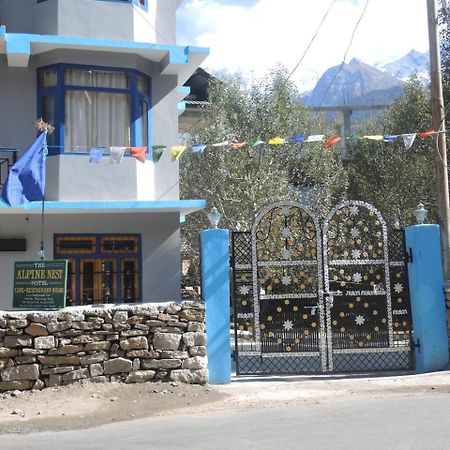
{"x": 85, "y": 404}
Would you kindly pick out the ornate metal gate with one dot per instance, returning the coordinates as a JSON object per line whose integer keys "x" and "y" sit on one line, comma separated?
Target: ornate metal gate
{"x": 309, "y": 299}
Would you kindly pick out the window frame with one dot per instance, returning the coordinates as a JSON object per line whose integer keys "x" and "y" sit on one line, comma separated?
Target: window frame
{"x": 58, "y": 91}
{"x": 96, "y": 256}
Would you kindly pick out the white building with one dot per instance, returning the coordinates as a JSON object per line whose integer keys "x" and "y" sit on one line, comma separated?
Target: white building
{"x": 103, "y": 73}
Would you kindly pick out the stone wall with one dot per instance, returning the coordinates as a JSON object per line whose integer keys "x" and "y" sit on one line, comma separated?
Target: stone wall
{"x": 129, "y": 343}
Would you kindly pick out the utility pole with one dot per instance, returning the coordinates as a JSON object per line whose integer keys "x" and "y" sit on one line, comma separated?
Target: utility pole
{"x": 440, "y": 143}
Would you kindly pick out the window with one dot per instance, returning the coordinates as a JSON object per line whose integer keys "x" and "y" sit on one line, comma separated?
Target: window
{"x": 101, "y": 268}
{"x": 92, "y": 106}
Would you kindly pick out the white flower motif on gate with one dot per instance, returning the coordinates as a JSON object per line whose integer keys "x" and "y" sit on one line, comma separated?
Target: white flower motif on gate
{"x": 354, "y": 233}
{"x": 398, "y": 288}
{"x": 353, "y": 210}
{"x": 288, "y": 325}
{"x": 356, "y": 254}
{"x": 357, "y": 277}
{"x": 244, "y": 290}
{"x": 286, "y": 233}
{"x": 286, "y": 280}
{"x": 287, "y": 254}
{"x": 359, "y": 320}
{"x": 285, "y": 210}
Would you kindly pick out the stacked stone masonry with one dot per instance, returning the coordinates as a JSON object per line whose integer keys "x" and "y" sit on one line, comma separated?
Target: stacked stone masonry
{"x": 129, "y": 343}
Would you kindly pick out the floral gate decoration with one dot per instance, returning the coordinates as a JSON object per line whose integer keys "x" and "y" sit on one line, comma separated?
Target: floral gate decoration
{"x": 311, "y": 297}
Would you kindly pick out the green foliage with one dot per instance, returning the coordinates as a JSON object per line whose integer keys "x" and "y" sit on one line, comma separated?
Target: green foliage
{"x": 240, "y": 181}
{"x": 391, "y": 178}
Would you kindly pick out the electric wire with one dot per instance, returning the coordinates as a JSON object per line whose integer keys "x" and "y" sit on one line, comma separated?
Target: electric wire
{"x": 312, "y": 40}
{"x": 345, "y": 56}
{"x": 163, "y": 38}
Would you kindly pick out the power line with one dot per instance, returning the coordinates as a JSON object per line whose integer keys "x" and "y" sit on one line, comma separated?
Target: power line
{"x": 345, "y": 54}
{"x": 167, "y": 41}
{"x": 313, "y": 38}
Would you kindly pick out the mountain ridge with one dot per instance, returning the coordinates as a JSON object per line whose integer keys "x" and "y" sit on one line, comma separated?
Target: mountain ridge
{"x": 358, "y": 83}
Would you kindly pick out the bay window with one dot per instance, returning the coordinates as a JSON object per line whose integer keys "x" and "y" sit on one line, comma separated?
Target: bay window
{"x": 94, "y": 107}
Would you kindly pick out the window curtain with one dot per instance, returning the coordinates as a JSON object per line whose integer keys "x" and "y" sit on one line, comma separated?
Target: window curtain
{"x": 95, "y": 118}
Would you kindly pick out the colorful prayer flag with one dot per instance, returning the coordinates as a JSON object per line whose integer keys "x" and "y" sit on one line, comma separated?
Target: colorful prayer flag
{"x": 299, "y": 137}
{"x": 221, "y": 144}
{"x": 276, "y": 141}
{"x": 139, "y": 153}
{"x": 257, "y": 143}
{"x": 198, "y": 148}
{"x": 157, "y": 151}
{"x": 408, "y": 140}
{"x": 95, "y": 154}
{"x": 177, "y": 151}
{"x": 315, "y": 138}
{"x": 332, "y": 140}
{"x": 425, "y": 134}
{"x": 390, "y": 138}
{"x": 26, "y": 179}
{"x": 117, "y": 154}
{"x": 376, "y": 137}
{"x": 237, "y": 145}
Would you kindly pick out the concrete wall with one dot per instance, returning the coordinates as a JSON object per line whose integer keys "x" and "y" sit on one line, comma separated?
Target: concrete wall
{"x": 91, "y": 19}
{"x": 160, "y": 246}
{"x": 17, "y": 19}
{"x": 18, "y": 91}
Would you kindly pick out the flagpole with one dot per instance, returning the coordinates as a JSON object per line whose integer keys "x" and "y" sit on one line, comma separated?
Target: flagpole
{"x": 42, "y": 251}
{"x": 44, "y": 157}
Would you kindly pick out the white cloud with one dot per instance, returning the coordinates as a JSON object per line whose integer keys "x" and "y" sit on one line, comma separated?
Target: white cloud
{"x": 259, "y": 36}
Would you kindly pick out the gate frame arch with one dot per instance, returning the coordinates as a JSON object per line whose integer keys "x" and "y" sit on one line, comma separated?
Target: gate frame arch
{"x": 387, "y": 287}
{"x": 319, "y": 278}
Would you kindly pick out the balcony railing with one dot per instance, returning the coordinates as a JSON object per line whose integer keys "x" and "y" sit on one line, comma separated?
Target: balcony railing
{"x": 8, "y": 156}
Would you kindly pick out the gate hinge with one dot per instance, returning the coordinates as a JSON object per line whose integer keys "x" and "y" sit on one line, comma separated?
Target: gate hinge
{"x": 409, "y": 255}
{"x": 416, "y": 344}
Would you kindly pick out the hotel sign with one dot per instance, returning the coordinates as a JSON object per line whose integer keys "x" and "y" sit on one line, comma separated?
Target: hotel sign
{"x": 40, "y": 284}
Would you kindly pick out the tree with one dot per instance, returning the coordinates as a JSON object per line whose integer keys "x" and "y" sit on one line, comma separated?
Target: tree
{"x": 390, "y": 177}
{"x": 239, "y": 181}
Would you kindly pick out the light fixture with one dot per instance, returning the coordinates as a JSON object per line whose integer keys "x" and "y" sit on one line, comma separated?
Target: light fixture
{"x": 420, "y": 213}
{"x": 214, "y": 217}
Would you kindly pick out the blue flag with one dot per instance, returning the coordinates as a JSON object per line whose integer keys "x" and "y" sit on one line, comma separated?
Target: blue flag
{"x": 299, "y": 137}
{"x": 198, "y": 148}
{"x": 26, "y": 179}
{"x": 95, "y": 154}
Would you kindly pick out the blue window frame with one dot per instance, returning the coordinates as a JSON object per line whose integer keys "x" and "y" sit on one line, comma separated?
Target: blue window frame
{"x": 94, "y": 106}
{"x": 102, "y": 268}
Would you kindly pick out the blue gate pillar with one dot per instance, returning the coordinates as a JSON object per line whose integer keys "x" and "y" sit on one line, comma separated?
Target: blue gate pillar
{"x": 426, "y": 284}
{"x": 215, "y": 267}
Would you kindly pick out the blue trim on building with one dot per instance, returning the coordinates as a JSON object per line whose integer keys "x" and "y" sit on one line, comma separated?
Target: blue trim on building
{"x": 114, "y": 206}
{"x": 21, "y": 43}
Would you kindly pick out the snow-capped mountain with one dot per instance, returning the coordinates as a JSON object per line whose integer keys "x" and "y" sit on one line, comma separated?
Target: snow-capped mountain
{"x": 407, "y": 65}
{"x": 355, "y": 83}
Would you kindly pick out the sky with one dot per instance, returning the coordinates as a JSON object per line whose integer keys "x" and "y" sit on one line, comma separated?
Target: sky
{"x": 254, "y": 36}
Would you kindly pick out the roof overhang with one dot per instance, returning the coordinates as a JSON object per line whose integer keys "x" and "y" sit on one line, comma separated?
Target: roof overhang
{"x": 183, "y": 207}
{"x": 172, "y": 59}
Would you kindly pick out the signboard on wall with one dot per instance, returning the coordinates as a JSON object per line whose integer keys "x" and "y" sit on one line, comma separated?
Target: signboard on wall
{"x": 40, "y": 284}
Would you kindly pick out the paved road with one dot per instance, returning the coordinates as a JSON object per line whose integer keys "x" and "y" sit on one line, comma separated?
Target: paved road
{"x": 421, "y": 422}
